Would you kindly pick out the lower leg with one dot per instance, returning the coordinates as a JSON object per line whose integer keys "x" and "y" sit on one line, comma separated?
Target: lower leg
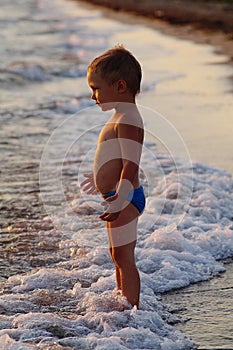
{"x": 128, "y": 278}
{"x": 130, "y": 282}
{"x": 118, "y": 274}
{"x": 122, "y": 237}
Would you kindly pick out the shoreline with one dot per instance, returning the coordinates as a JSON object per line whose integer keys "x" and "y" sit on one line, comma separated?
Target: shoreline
{"x": 197, "y": 30}
{"x": 197, "y": 323}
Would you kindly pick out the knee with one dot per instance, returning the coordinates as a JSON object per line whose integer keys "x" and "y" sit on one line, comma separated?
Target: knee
{"x": 121, "y": 259}
{"x": 117, "y": 257}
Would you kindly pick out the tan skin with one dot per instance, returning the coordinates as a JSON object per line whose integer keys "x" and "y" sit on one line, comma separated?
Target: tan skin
{"x": 123, "y": 130}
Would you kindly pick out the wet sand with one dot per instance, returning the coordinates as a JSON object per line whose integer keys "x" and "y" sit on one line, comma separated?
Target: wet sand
{"x": 206, "y": 311}
{"x": 208, "y": 22}
{"x": 216, "y": 15}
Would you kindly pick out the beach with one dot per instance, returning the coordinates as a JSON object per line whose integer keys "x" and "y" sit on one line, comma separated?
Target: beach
{"x": 56, "y": 276}
{"x": 207, "y": 22}
{"x": 215, "y": 15}
{"x": 213, "y": 298}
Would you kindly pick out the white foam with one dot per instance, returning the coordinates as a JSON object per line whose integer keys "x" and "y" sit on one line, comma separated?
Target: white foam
{"x": 74, "y": 303}
{"x": 172, "y": 252}
{"x": 30, "y": 71}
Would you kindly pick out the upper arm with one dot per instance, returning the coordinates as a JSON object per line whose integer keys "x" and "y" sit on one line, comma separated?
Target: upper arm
{"x": 130, "y": 138}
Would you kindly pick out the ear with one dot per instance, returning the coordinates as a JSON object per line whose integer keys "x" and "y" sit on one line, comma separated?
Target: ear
{"x": 121, "y": 86}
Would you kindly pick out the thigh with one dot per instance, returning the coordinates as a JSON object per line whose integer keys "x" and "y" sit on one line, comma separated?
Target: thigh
{"x": 123, "y": 230}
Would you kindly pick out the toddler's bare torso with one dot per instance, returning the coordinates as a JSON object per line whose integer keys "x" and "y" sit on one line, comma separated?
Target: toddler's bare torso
{"x": 108, "y": 162}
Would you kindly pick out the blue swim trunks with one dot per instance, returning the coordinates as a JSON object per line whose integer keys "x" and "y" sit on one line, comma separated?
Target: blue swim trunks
{"x": 136, "y": 197}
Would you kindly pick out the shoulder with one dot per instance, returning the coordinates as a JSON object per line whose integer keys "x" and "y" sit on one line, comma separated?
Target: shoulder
{"x": 131, "y": 117}
{"x": 130, "y": 126}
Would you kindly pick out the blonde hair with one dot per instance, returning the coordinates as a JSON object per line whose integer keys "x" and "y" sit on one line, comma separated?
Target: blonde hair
{"x": 116, "y": 64}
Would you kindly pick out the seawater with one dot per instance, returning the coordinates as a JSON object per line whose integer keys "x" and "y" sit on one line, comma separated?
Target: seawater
{"x": 57, "y": 279}
{"x": 206, "y": 310}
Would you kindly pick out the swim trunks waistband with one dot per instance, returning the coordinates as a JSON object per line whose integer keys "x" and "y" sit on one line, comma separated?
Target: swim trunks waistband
{"x": 136, "y": 197}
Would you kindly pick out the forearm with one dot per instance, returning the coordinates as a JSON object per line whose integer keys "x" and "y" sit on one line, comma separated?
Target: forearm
{"x": 128, "y": 174}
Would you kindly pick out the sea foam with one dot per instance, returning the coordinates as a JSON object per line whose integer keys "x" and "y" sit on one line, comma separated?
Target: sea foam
{"x": 74, "y": 304}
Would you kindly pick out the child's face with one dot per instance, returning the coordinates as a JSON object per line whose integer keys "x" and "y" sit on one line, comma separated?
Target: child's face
{"x": 105, "y": 95}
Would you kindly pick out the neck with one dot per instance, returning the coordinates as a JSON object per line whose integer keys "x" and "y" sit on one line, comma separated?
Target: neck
{"x": 125, "y": 106}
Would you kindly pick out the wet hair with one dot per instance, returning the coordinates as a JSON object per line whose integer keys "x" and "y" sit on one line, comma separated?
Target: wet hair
{"x": 116, "y": 64}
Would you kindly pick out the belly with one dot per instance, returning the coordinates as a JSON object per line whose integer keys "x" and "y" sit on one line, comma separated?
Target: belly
{"x": 108, "y": 175}
{"x": 107, "y": 166}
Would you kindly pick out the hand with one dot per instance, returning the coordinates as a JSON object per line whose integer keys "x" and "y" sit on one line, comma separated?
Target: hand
{"x": 115, "y": 206}
{"x": 89, "y": 184}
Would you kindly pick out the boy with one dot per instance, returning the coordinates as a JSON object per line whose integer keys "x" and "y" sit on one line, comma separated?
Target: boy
{"x": 114, "y": 79}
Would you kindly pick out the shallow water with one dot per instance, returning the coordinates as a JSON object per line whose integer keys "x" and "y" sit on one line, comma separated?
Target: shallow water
{"x": 57, "y": 278}
{"x": 206, "y": 309}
